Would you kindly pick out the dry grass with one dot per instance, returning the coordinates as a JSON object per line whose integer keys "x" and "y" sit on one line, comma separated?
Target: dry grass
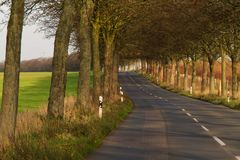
{"x": 73, "y": 138}
{"x": 32, "y": 121}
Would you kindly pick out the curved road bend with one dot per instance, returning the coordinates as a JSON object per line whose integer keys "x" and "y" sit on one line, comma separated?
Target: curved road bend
{"x": 167, "y": 126}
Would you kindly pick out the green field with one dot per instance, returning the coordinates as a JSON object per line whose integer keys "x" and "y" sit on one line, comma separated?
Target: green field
{"x": 35, "y": 86}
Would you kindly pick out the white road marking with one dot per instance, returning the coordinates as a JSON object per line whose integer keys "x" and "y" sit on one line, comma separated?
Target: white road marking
{"x": 219, "y": 141}
{"x": 195, "y": 119}
{"x": 237, "y": 157}
{"x": 160, "y": 97}
{"x": 189, "y": 114}
{"x": 156, "y": 96}
{"x": 204, "y": 128}
{"x": 183, "y": 110}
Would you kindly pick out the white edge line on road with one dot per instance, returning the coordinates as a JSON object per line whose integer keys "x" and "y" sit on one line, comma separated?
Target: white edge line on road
{"x": 183, "y": 110}
{"x": 189, "y": 114}
{"x": 237, "y": 157}
{"x": 195, "y": 119}
{"x": 204, "y": 128}
{"x": 219, "y": 141}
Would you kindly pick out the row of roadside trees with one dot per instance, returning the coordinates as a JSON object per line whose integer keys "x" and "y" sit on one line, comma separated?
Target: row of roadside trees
{"x": 161, "y": 33}
{"x": 191, "y": 32}
{"x": 92, "y": 27}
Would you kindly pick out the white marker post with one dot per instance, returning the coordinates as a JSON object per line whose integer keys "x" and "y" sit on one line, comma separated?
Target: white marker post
{"x": 191, "y": 90}
{"x": 100, "y": 106}
{"x": 121, "y": 93}
{"x": 228, "y": 96}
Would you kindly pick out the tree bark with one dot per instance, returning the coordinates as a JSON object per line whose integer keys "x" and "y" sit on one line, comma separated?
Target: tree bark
{"x": 9, "y": 109}
{"x": 211, "y": 84}
{"x": 148, "y": 67}
{"x": 223, "y": 82}
{"x": 168, "y": 74}
{"x": 178, "y": 75}
{"x": 160, "y": 72}
{"x": 108, "y": 65}
{"x": 204, "y": 76}
{"x": 59, "y": 75}
{"x": 152, "y": 68}
{"x": 84, "y": 96}
{"x": 144, "y": 68}
{"x": 165, "y": 73}
{"x": 194, "y": 77}
{"x": 173, "y": 66}
{"x": 115, "y": 84}
{"x": 186, "y": 66}
{"x": 234, "y": 77}
{"x": 97, "y": 85}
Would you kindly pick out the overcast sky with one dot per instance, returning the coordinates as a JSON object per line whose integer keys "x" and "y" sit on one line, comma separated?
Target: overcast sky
{"x": 34, "y": 44}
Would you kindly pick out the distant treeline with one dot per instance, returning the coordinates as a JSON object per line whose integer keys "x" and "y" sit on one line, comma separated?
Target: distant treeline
{"x": 45, "y": 64}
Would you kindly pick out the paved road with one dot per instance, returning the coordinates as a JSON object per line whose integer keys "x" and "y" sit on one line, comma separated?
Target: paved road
{"x": 166, "y": 126}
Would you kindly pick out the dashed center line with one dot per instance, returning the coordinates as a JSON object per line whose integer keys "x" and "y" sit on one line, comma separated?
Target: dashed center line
{"x": 219, "y": 141}
{"x": 204, "y": 128}
{"x": 195, "y": 119}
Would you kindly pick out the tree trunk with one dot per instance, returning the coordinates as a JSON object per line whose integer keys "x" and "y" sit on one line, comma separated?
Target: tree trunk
{"x": 161, "y": 72}
{"x": 194, "y": 77}
{"x": 115, "y": 84}
{"x": 178, "y": 75}
{"x": 97, "y": 85}
{"x": 108, "y": 66}
{"x": 172, "y": 79}
{"x": 204, "y": 77}
{"x": 59, "y": 75}
{"x": 84, "y": 97}
{"x": 168, "y": 74}
{"x": 165, "y": 73}
{"x": 186, "y": 65}
{"x": 234, "y": 77}
{"x": 211, "y": 87}
{"x": 155, "y": 70}
{"x": 9, "y": 109}
{"x": 152, "y": 68}
{"x": 144, "y": 66}
{"x": 223, "y": 82}
{"x": 148, "y": 67}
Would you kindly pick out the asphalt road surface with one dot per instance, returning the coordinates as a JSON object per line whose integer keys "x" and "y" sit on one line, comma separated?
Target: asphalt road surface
{"x": 167, "y": 126}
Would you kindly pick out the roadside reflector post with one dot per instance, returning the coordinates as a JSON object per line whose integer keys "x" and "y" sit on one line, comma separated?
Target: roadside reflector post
{"x": 100, "y": 107}
{"x": 121, "y": 93}
{"x": 228, "y": 96}
{"x": 191, "y": 91}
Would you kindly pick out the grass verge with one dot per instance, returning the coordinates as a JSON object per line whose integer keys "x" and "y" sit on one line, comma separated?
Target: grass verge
{"x": 214, "y": 99}
{"x": 35, "y": 86}
{"x": 71, "y": 139}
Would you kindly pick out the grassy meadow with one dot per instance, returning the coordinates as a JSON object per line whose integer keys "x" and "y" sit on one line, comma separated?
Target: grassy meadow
{"x": 35, "y": 86}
